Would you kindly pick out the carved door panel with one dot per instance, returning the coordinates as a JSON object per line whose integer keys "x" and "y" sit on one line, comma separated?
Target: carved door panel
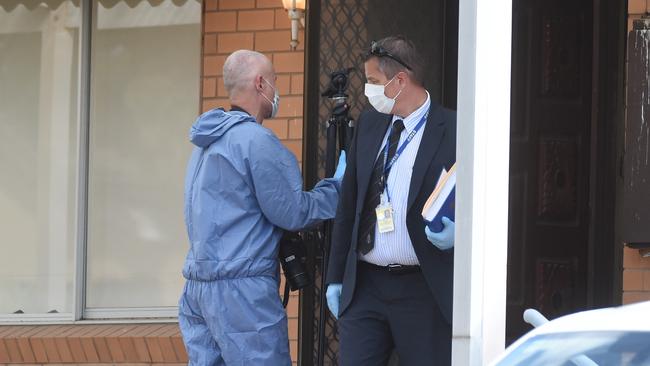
{"x": 549, "y": 160}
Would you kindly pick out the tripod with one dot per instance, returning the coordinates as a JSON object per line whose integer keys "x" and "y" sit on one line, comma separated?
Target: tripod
{"x": 339, "y": 133}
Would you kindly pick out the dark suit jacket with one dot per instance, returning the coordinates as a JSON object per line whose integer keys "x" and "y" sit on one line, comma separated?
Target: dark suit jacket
{"x": 437, "y": 150}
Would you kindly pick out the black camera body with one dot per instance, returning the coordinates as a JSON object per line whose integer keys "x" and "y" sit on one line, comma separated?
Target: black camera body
{"x": 339, "y": 82}
{"x": 293, "y": 256}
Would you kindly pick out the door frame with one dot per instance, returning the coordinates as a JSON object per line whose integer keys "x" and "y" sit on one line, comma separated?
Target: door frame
{"x": 605, "y": 258}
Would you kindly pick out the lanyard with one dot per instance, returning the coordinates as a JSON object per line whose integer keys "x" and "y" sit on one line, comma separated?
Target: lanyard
{"x": 400, "y": 150}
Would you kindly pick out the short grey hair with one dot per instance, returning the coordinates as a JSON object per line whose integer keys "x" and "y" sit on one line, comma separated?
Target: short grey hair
{"x": 240, "y": 69}
{"x": 403, "y": 49}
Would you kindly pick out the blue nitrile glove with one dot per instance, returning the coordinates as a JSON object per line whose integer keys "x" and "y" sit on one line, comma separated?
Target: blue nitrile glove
{"x": 340, "y": 168}
{"x": 333, "y": 295}
{"x": 445, "y": 239}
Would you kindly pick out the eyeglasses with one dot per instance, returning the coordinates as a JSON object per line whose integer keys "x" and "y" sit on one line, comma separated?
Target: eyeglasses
{"x": 379, "y": 51}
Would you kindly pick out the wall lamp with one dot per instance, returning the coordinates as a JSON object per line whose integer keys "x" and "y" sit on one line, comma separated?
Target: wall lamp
{"x": 296, "y": 10}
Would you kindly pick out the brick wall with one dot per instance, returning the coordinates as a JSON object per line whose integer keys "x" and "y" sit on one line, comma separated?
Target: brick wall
{"x": 260, "y": 25}
{"x": 99, "y": 344}
{"x": 636, "y": 273}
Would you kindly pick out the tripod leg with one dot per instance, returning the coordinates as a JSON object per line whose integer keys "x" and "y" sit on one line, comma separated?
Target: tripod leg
{"x": 331, "y": 157}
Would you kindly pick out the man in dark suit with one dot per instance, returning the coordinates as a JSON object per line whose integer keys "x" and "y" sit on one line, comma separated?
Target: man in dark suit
{"x": 390, "y": 282}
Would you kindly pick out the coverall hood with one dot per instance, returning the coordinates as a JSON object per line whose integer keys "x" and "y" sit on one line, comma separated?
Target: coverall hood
{"x": 213, "y": 124}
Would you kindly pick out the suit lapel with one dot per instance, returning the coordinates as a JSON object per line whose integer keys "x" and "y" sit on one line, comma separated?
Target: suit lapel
{"x": 432, "y": 135}
{"x": 369, "y": 145}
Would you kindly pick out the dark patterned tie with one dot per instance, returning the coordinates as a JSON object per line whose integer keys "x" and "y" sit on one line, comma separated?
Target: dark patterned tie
{"x": 375, "y": 188}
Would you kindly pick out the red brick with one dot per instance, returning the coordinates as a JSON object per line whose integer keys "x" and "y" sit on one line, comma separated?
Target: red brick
{"x": 213, "y": 103}
{"x": 295, "y": 129}
{"x": 293, "y": 329}
{"x": 295, "y": 146}
{"x": 283, "y": 84}
{"x": 103, "y": 352}
{"x": 221, "y": 88}
{"x": 63, "y": 348}
{"x": 630, "y": 21}
{"x": 76, "y": 349}
{"x": 213, "y": 65}
{"x": 301, "y": 40}
{"x": 636, "y": 6}
{"x": 297, "y": 84}
{"x": 13, "y": 350}
{"x": 236, "y": 4}
{"x": 38, "y": 347}
{"x": 4, "y": 353}
{"x": 154, "y": 349}
{"x": 293, "y": 348}
{"x": 26, "y": 350}
{"x": 282, "y": 20}
{"x": 632, "y": 280}
{"x": 167, "y": 349}
{"x": 179, "y": 347}
{"x": 220, "y": 21}
{"x": 49, "y": 344}
{"x": 292, "y": 307}
{"x": 646, "y": 280}
{"x": 128, "y": 347}
{"x": 289, "y": 62}
{"x": 113, "y": 342}
{"x": 278, "y": 126}
{"x": 229, "y": 42}
{"x": 632, "y": 259}
{"x": 273, "y": 41}
{"x": 632, "y": 297}
{"x": 256, "y": 20}
{"x": 141, "y": 349}
{"x": 209, "y": 44}
{"x": 269, "y": 4}
{"x": 211, "y": 5}
{"x": 6, "y": 330}
{"x": 89, "y": 349}
{"x": 290, "y": 107}
{"x": 209, "y": 87}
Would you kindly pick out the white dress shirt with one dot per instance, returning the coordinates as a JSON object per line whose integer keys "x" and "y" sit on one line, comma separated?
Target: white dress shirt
{"x": 395, "y": 246}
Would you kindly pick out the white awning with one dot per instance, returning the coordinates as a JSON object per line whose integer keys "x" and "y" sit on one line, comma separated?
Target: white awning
{"x": 9, "y": 5}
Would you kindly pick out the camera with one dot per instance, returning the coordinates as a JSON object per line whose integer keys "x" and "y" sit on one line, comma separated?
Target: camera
{"x": 339, "y": 82}
{"x": 292, "y": 258}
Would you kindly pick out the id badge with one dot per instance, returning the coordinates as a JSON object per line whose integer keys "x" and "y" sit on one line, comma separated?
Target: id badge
{"x": 385, "y": 217}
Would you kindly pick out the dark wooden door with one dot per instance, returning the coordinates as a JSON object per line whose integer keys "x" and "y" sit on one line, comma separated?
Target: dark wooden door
{"x": 550, "y": 159}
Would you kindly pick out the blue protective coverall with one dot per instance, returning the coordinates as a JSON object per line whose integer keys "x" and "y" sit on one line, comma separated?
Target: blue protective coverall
{"x": 242, "y": 188}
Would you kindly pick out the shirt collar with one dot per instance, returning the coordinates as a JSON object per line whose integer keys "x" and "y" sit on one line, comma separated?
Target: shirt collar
{"x": 412, "y": 119}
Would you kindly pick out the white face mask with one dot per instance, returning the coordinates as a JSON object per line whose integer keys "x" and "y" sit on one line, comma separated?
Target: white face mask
{"x": 275, "y": 104}
{"x": 378, "y": 99}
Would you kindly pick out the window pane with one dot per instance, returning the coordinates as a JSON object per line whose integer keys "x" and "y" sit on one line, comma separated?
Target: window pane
{"x": 38, "y": 122}
{"x": 144, "y": 97}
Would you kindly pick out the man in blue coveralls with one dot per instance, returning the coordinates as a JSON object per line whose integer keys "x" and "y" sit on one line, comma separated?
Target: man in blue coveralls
{"x": 242, "y": 188}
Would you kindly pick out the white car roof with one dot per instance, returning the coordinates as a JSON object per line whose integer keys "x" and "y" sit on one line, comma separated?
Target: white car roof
{"x": 633, "y": 317}
{"x": 630, "y": 318}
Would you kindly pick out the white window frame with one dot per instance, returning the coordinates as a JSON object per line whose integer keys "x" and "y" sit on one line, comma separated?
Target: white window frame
{"x": 81, "y": 314}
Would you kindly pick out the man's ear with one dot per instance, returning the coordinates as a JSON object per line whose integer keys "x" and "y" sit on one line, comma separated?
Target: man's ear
{"x": 259, "y": 81}
{"x": 402, "y": 76}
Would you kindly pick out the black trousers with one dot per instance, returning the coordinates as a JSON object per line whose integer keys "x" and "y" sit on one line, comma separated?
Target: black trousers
{"x": 393, "y": 311}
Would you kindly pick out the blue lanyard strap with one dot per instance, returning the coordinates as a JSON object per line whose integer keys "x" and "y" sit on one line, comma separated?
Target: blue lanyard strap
{"x": 400, "y": 150}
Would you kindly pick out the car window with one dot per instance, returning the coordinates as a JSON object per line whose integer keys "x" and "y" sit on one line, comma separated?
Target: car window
{"x": 583, "y": 348}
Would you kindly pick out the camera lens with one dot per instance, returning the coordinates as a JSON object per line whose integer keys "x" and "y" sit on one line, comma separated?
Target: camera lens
{"x": 291, "y": 258}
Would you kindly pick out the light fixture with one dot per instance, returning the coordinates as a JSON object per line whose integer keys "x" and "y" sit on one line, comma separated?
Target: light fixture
{"x": 296, "y": 10}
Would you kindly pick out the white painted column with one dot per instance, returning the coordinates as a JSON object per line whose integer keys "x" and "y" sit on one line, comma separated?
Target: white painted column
{"x": 54, "y": 179}
{"x": 483, "y": 163}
